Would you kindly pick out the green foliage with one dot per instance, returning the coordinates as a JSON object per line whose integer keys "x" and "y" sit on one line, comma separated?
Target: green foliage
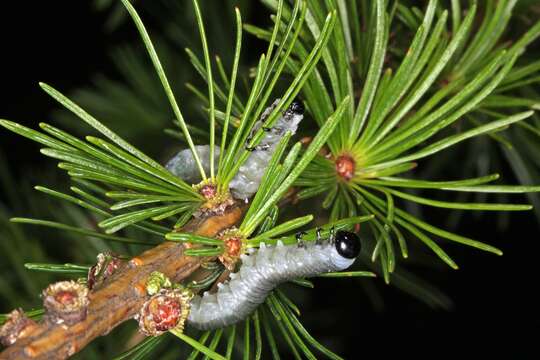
{"x": 333, "y": 54}
{"x": 148, "y": 197}
{"x": 403, "y": 114}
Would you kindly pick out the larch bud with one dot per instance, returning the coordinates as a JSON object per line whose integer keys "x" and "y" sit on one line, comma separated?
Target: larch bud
{"x": 164, "y": 311}
{"x": 65, "y": 302}
{"x": 15, "y": 327}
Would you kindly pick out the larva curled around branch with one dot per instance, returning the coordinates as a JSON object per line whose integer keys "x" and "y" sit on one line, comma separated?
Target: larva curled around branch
{"x": 249, "y": 176}
{"x": 263, "y": 270}
{"x": 184, "y": 166}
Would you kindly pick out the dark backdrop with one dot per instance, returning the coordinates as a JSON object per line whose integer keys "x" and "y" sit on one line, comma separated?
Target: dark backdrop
{"x": 495, "y": 298}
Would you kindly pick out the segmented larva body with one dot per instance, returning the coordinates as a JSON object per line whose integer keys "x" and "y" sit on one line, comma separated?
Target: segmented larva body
{"x": 263, "y": 270}
{"x": 184, "y": 166}
{"x": 249, "y": 176}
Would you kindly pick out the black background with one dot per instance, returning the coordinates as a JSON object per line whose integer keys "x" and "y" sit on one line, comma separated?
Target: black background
{"x": 495, "y": 313}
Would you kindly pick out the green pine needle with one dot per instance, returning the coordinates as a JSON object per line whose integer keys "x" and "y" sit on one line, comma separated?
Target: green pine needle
{"x": 197, "y": 345}
{"x": 161, "y": 73}
{"x": 59, "y": 268}
{"x": 383, "y": 103}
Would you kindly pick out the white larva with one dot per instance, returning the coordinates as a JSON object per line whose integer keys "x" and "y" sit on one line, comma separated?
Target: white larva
{"x": 263, "y": 270}
{"x": 184, "y": 166}
{"x": 249, "y": 176}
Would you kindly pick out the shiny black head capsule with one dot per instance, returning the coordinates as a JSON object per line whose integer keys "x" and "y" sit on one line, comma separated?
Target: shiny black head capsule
{"x": 347, "y": 244}
{"x": 297, "y": 107}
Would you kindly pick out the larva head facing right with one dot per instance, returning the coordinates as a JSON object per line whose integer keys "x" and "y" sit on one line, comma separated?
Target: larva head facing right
{"x": 346, "y": 248}
{"x": 347, "y": 244}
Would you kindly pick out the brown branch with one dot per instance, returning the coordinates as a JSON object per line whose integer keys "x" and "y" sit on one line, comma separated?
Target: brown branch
{"x": 120, "y": 297}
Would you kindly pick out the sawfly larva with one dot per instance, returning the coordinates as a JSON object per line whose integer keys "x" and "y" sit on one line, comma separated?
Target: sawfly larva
{"x": 249, "y": 176}
{"x": 184, "y": 166}
{"x": 264, "y": 269}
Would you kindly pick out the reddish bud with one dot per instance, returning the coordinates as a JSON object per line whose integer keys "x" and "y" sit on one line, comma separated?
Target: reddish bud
{"x": 65, "y": 302}
{"x": 164, "y": 311}
{"x": 209, "y": 191}
{"x": 15, "y": 327}
{"x": 65, "y": 297}
{"x": 216, "y": 202}
{"x": 345, "y": 167}
{"x": 233, "y": 249}
{"x": 233, "y": 246}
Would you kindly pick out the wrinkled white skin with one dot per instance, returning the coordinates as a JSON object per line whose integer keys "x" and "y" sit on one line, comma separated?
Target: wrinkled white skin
{"x": 260, "y": 273}
{"x": 184, "y": 166}
{"x": 249, "y": 176}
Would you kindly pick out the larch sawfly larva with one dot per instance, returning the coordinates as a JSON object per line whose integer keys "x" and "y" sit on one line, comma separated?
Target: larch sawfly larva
{"x": 264, "y": 269}
{"x": 183, "y": 164}
{"x": 249, "y": 176}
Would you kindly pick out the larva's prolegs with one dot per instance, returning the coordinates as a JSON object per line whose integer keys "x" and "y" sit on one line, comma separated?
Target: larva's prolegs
{"x": 299, "y": 241}
{"x": 264, "y": 269}
{"x": 319, "y": 238}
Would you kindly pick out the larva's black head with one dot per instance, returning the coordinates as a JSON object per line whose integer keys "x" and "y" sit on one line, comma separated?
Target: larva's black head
{"x": 347, "y": 244}
{"x": 297, "y": 107}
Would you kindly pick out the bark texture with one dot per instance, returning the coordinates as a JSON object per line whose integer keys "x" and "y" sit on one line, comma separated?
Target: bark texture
{"x": 120, "y": 297}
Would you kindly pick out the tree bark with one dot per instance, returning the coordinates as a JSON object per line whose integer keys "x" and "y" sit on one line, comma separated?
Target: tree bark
{"x": 120, "y": 297}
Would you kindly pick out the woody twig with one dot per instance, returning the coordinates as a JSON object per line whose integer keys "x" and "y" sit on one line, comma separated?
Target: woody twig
{"x": 119, "y": 298}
